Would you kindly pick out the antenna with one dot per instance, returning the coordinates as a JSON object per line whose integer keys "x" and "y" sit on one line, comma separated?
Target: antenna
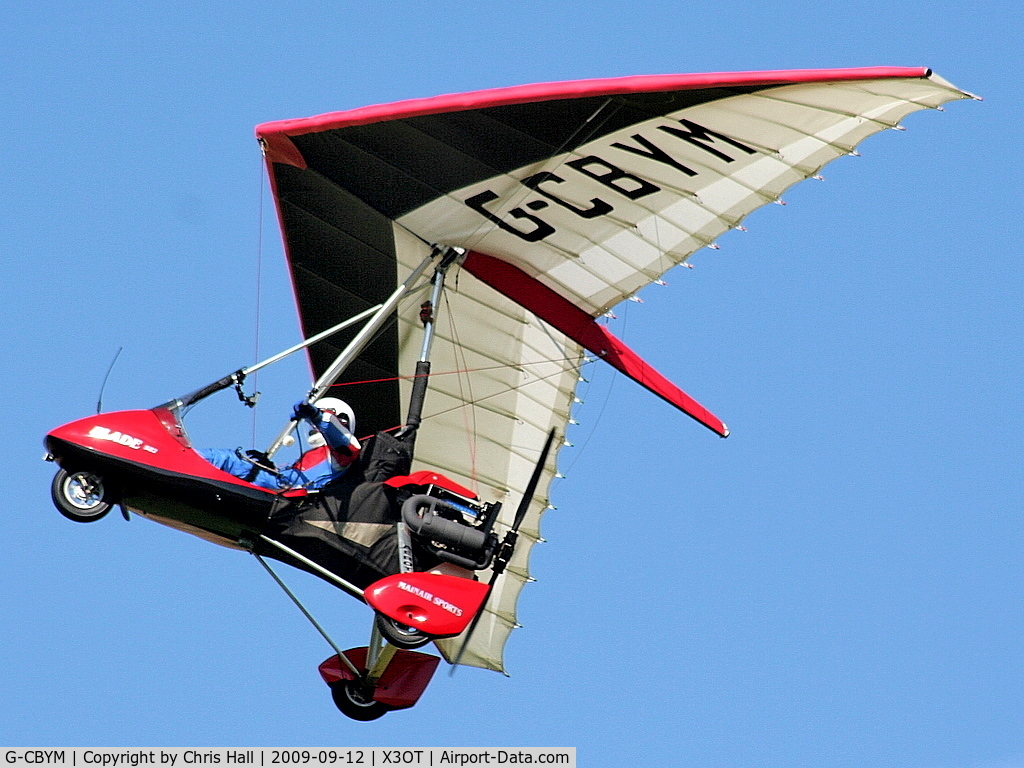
{"x": 99, "y": 401}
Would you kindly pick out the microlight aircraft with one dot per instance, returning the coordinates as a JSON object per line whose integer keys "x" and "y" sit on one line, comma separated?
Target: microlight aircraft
{"x": 484, "y": 233}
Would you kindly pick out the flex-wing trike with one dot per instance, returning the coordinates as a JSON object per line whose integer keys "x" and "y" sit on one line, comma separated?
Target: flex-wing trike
{"x": 409, "y": 544}
{"x": 569, "y": 198}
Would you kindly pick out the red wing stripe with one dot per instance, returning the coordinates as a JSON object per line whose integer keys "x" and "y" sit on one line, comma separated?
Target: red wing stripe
{"x": 520, "y": 94}
{"x": 565, "y": 316}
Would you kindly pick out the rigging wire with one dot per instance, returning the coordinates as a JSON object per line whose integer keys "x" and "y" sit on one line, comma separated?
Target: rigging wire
{"x": 607, "y": 397}
{"x": 468, "y": 417}
{"x": 464, "y": 370}
{"x": 469, "y": 403}
{"x": 604, "y": 405}
{"x": 577, "y": 138}
{"x": 259, "y": 283}
{"x": 505, "y": 391}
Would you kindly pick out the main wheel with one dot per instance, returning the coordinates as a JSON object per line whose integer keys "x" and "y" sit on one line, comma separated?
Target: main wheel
{"x": 352, "y": 701}
{"x": 80, "y": 496}
{"x": 400, "y": 634}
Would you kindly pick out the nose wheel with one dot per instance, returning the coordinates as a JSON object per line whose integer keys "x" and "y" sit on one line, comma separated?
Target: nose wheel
{"x": 81, "y": 496}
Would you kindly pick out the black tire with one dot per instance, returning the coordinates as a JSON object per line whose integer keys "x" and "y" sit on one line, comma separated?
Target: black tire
{"x": 400, "y": 635}
{"x": 350, "y": 699}
{"x": 81, "y": 496}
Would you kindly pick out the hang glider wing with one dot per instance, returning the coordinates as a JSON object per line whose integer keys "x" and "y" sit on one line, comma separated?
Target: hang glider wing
{"x": 568, "y": 198}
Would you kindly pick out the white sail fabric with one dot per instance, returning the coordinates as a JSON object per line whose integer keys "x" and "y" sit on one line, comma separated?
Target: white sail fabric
{"x": 486, "y": 429}
{"x": 486, "y": 419}
{"x": 754, "y": 147}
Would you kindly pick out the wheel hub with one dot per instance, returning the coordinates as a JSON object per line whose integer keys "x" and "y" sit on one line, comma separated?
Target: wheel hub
{"x": 84, "y": 491}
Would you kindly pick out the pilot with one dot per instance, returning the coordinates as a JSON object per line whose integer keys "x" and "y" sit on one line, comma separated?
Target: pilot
{"x": 332, "y": 449}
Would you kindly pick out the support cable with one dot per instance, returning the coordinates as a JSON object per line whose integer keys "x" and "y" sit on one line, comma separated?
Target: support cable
{"x": 259, "y": 283}
{"x": 344, "y": 659}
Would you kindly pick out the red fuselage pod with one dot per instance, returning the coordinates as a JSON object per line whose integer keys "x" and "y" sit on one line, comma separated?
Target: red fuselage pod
{"x": 147, "y": 457}
{"x": 434, "y": 604}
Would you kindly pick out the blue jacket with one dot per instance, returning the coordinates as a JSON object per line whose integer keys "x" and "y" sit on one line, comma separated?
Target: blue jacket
{"x": 314, "y": 469}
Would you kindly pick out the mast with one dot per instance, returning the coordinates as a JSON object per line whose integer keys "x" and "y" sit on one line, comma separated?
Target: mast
{"x": 429, "y": 318}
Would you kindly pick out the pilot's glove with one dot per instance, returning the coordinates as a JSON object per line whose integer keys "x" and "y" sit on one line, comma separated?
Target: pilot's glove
{"x": 306, "y": 410}
{"x": 261, "y": 460}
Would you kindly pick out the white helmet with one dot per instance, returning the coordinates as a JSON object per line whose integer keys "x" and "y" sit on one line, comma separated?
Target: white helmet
{"x": 339, "y": 408}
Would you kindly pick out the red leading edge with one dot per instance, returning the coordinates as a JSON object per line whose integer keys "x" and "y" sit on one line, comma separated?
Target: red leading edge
{"x": 280, "y": 149}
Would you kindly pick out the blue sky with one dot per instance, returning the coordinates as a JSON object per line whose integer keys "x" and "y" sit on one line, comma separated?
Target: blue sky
{"x": 837, "y": 584}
